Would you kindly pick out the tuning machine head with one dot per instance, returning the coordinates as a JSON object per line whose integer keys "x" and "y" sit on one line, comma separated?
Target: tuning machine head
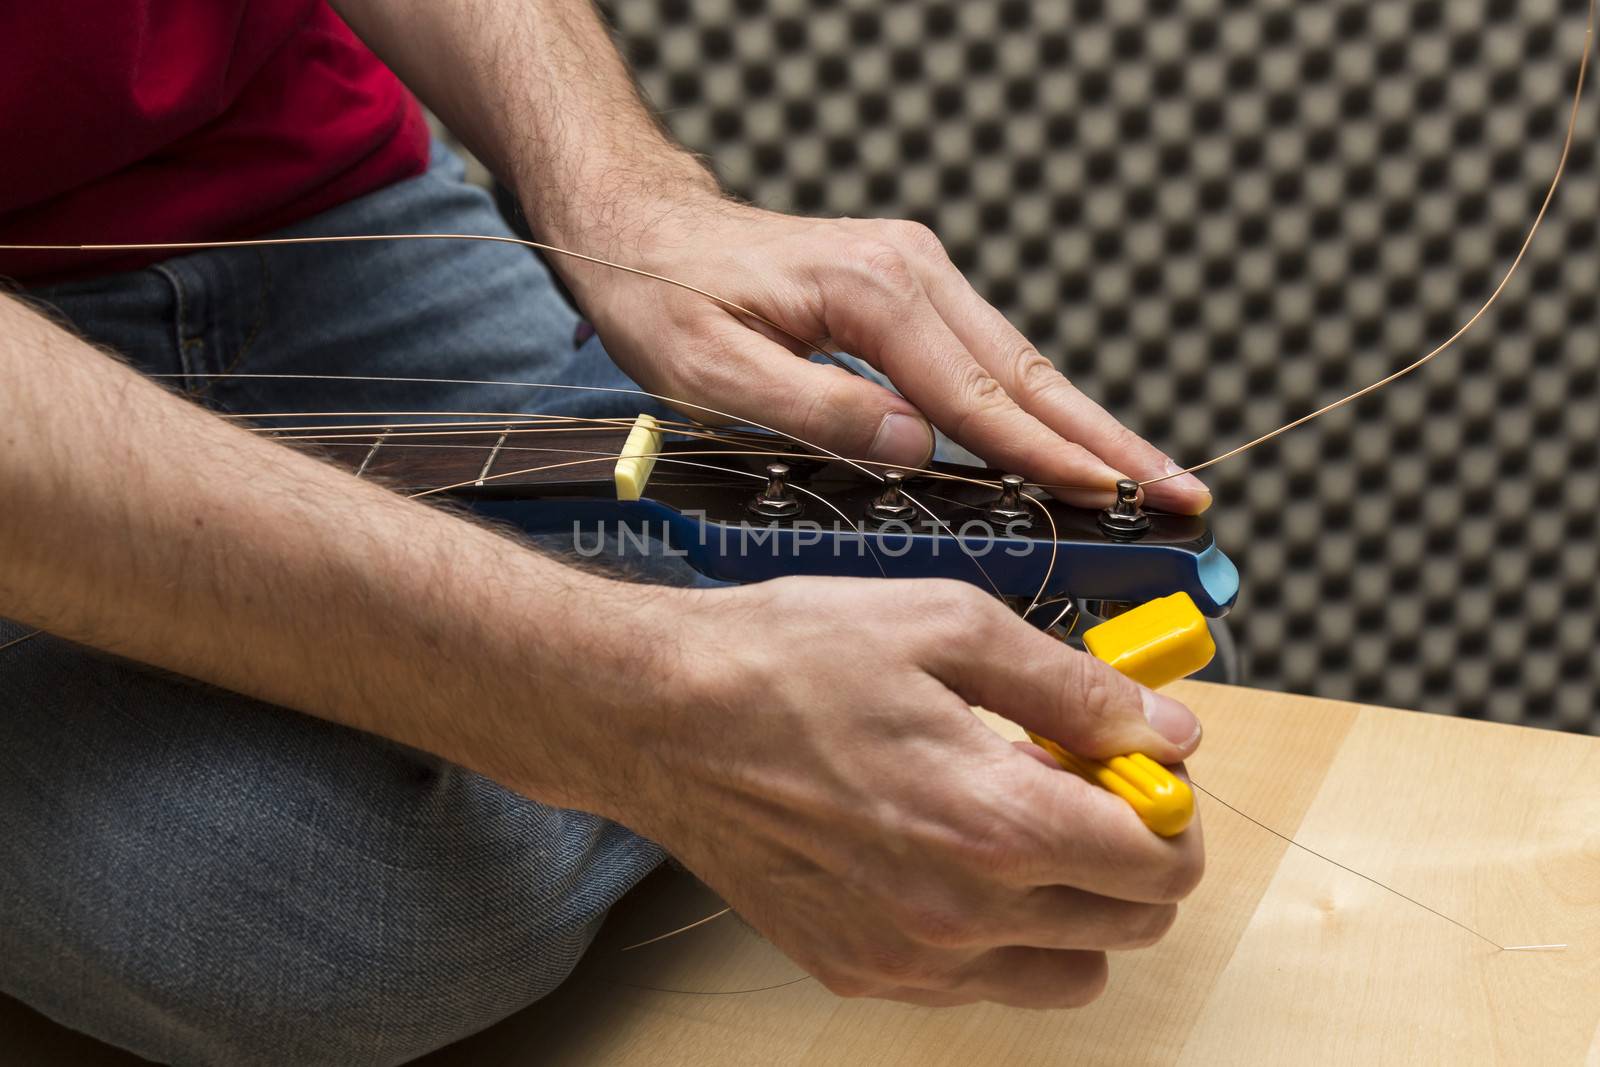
{"x": 1125, "y": 520}
{"x": 777, "y": 500}
{"x": 891, "y": 504}
{"x": 1010, "y": 508}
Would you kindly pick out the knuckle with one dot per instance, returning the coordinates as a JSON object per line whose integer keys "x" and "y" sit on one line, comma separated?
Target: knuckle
{"x": 708, "y": 375}
{"x": 1097, "y": 692}
{"x": 1002, "y": 854}
{"x": 968, "y": 615}
{"x": 917, "y": 237}
{"x": 940, "y": 926}
{"x": 1036, "y": 376}
{"x": 886, "y": 268}
{"x": 983, "y": 390}
{"x": 946, "y": 597}
{"x": 982, "y": 397}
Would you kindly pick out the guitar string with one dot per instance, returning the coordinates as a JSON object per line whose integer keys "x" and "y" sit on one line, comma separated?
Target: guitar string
{"x": 18, "y": 640}
{"x": 601, "y": 456}
{"x": 288, "y": 434}
{"x": 449, "y": 430}
{"x": 478, "y": 418}
{"x": 488, "y": 429}
{"x": 494, "y": 420}
{"x": 283, "y": 434}
{"x": 1374, "y": 881}
{"x": 267, "y": 242}
{"x": 672, "y": 458}
{"x": 1287, "y": 839}
{"x": 612, "y": 389}
{"x": 1522, "y": 251}
{"x": 593, "y": 458}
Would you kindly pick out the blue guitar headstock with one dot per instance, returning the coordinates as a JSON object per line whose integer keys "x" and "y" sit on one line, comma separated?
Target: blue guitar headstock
{"x": 749, "y": 507}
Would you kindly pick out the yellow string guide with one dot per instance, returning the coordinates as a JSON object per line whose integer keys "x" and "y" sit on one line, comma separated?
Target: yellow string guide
{"x": 1153, "y": 644}
{"x": 638, "y": 458}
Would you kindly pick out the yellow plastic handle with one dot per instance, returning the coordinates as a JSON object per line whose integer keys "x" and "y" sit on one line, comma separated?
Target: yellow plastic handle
{"x": 1153, "y": 644}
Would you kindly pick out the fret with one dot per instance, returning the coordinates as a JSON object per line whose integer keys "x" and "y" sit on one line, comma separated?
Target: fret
{"x": 484, "y": 473}
{"x": 474, "y": 461}
{"x": 377, "y": 444}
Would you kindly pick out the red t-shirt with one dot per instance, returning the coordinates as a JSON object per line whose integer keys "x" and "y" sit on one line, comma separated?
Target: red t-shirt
{"x": 185, "y": 120}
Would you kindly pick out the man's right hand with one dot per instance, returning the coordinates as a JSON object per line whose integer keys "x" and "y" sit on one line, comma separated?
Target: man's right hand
{"x": 816, "y": 762}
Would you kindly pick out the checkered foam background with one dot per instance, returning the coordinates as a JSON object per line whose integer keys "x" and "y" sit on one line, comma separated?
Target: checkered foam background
{"x": 1217, "y": 216}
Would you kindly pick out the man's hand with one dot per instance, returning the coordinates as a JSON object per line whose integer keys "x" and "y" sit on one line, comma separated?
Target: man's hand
{"x": 884, "y": 291}
{"x": 539, "y": 92}
{"x": 829, "y": 780}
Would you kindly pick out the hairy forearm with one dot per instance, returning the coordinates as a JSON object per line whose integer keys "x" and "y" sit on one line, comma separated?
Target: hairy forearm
{"x": 139, "y": 524}
{"x": 538, "y": 90}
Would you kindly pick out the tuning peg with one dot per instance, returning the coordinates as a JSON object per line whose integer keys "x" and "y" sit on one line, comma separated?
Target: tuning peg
{"x": 1009, "y": 508}
{"x": 891, "y": 504}
{"x": 776, "y": 500}
{"x": 1125, "y": 520}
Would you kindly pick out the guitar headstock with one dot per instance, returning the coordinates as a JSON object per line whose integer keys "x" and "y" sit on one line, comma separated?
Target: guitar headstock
{"x": 744, "y": 507}
{"x": 801, "y": 513}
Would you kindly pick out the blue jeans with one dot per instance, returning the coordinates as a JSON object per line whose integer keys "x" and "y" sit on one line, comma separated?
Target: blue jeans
{"x": 202, "y": 878}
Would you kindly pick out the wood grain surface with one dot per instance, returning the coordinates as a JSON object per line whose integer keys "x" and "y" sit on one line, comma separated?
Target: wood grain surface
{"x": 1279, "y": 957}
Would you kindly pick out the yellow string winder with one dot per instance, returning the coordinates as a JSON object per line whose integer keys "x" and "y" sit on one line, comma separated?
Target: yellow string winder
{"x": 1156, "y": 643}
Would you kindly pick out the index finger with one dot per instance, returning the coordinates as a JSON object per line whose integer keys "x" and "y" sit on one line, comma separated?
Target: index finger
{"x": 892, "y": 323}
{"x": 1038, "y": 387}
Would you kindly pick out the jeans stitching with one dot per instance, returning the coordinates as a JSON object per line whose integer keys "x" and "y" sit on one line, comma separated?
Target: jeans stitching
{"x": 263, "y": 302}
{"x": 196, "y": 389}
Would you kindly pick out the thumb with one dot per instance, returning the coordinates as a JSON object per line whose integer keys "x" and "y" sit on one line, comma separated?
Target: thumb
{"x": 824, "y": 405}
{"x": 1068, "y": 696}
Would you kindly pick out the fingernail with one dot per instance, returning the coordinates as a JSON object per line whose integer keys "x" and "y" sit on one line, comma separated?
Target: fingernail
{"x": 1170, "y": 719}
{"x": 1188, "y": 483}
{"x": 903, "y": 439}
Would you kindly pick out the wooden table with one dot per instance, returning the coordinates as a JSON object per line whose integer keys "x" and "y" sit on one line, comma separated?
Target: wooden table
{"x": 1279, "y": 958}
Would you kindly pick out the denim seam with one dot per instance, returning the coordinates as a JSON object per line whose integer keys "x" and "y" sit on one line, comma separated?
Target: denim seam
{"x": 263, "y": 302}
{"x": 180, "y": 328}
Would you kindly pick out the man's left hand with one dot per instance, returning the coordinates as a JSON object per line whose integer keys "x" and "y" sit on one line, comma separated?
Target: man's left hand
{"x": 884, "y": 291}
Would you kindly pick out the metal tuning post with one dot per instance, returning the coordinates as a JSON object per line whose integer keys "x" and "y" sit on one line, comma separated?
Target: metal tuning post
{"x": 1125, "y": 520}
{"x": 776, "y": 500}
{"x": 891, "y": 504}
{"x": 1009, "y": 508}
